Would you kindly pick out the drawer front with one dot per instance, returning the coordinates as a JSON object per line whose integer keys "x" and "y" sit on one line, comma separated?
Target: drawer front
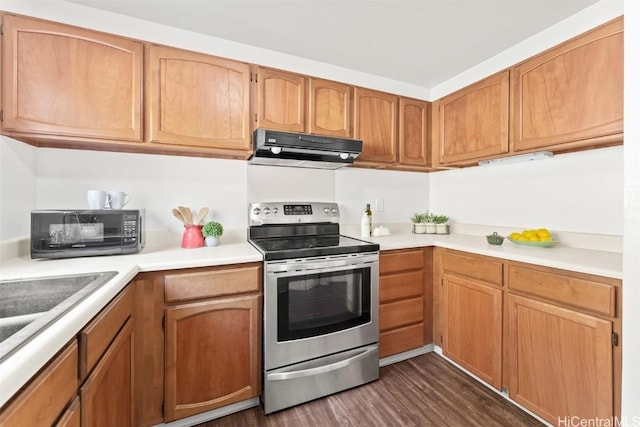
{"x": 403, "y": 285}
{"x": 401, "y": 313}
{"x": 96, "y": 337}
{"x": 578, "y": 292}
{"x": 46, "y": 396}
{"x": 471, "y": 266}
{"x": 213, "y": 283}
{"x": 395, "y": 261}
{"x": 402, "y": 339}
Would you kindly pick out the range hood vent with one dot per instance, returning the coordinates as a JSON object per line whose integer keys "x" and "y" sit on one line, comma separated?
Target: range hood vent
{"x": 303, "y": 150}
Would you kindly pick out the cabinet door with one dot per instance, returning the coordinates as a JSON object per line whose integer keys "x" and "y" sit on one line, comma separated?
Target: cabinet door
{"x": 414, "y": 149}
{"x": 329, "y": 108}
{"x": 107, "y": 395}
{"x": 376, "y": 124}
{"x": 212, "y": 355}
{"x": 572, "y": 95}
{"x": 69, "y": 83}
{"x": 472, "y": 327}
{"x": 198, "y": 100}
{"x": 280, "y": 100}
{"x": 71, "y": 417}
{"x": 474, "y": 122}
{"x": 560, "y": 361}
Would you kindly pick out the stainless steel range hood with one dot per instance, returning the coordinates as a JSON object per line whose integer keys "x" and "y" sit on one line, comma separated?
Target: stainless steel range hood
{"x": 303, "y": 150}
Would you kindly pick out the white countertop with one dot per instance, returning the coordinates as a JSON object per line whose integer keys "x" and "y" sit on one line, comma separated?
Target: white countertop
{"x": 163, "y": 252}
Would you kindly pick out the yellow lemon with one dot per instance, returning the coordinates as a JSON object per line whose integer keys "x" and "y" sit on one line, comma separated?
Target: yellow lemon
{"x": 515, "y": 236}
{"x": 543, "y": 232}
{"x": 545, "y": 239}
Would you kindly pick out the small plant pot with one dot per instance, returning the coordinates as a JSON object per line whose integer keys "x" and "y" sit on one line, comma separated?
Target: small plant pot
{"x": 442, "y": 228}
{"x": 419, "y": 228}
{"x": 212, "y": 241}
{"x": 431, "y": 228}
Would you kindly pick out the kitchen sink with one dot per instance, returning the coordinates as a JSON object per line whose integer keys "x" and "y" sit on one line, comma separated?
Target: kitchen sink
{"x": 28, "y": 306}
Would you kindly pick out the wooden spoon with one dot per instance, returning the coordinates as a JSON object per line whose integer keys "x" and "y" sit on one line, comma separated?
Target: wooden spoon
{"x": 187, "y": 214}
{"x": 178, "y": 215}
{"x": 203, "y": 212}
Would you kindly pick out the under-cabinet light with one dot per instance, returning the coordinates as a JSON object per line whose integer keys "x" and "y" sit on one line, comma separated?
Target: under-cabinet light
{"x": 538, "y": 155}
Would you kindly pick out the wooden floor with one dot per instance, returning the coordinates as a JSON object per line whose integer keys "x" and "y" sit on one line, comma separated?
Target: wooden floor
{"x": 422, "y": 391}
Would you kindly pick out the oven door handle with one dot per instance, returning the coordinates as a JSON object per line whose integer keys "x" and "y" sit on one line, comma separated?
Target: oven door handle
{"x": 276, "y": 376}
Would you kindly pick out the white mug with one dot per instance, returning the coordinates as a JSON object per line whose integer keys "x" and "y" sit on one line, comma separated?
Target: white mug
{"x": 98, "y": 199}
{"x": 118, "y": 199}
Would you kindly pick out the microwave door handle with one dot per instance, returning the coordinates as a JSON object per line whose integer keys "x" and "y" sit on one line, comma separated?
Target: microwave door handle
{"x": 277, "y": 376}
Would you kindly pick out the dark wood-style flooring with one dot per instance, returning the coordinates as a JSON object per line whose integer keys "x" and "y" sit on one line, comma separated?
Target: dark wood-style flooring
{"x": 423, "y": 391}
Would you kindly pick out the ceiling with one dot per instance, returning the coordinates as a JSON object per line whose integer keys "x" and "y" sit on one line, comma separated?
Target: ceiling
{"x": 421, "y": 42}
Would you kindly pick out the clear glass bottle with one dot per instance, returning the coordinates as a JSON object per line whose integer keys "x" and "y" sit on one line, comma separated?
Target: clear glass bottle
{"x": 366, "y": 222}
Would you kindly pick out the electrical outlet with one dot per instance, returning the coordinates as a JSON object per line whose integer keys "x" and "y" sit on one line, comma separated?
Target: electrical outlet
{"x": 379, "y": 205}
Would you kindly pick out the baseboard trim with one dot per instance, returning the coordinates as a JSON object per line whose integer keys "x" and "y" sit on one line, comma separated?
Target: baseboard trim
{"x": 211, "y": 415}
{"x": 406, "y": 355}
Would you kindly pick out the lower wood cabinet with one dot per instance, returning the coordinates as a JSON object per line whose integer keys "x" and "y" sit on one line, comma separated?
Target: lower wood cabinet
{"x": 90, "y": 382}
{"x": 405, "y": 300}
{"x": 56, "y": 384}
{"x": 472, "y": 327}
{"x": 202, "y": 340}
{"x": 554, "y": 346}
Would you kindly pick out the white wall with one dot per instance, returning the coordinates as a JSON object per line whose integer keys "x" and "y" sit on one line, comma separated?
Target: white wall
{"x": 155, "y": 182}
{"x": 403, "y": 193}
{"x": 578, "y": 192}
{"x": 17, "y": 188}
{"x": 277, "y": 184}
{"x": 631, "y": 266}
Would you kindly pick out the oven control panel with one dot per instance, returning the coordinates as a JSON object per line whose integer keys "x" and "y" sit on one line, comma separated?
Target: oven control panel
{"x": 293, "y": 213}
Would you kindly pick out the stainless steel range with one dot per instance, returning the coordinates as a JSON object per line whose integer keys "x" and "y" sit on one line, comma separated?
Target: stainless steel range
{"x": 320, "y": 303}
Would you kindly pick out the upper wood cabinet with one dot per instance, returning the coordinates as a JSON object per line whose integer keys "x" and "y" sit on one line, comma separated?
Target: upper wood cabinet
{"x": 571, "y": 96}
{"x": 329, "y": 111}
{"x": 279, "y": 101}
{"x": 197, "y": 100}
{"x": 68, "y": 83}
{"x": 376, "y": 124}
{"x": 414, "y": 149}
{"x": 473, "y": 123}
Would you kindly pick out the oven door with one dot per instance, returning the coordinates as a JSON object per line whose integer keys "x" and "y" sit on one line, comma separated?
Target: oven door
{"x": 319, "y": 306}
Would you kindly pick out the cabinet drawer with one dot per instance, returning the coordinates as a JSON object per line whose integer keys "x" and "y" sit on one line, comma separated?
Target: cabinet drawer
{"x": 71, "y": 417}
{"x": 391, "y": 262}
{"x": 401, "y": 339}
{"x": 476, "y": 267}
{"x": 403, "y": 285}
{"x": 46, "y": 396}
{"x": 401, "y": 313}
{"x": 582, "y": 292}
{"x": 96, "y": 337}
{"x": 212, "y": 283}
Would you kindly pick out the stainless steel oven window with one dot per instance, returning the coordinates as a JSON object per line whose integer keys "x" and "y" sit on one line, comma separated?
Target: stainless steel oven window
{"x": 321, "y": 303}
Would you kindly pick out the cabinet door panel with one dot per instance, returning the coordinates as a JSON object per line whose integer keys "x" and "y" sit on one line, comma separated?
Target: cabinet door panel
{"x": 212, "y": 355}
{"x": 198, "y": 100}
{"x": 560, "y": 361}
{"x": 474, "y": 122}
{"x": 571, "y": 93}
{"x": 107, "y": 395}
{"x": 329, "y": 108}
{"x": 66, "y": 81}
{"x": 472, "y": 327}
{"x": 414, "y": 149}
{"x": 376, "y": 124}
{"x": 280, "y": 101}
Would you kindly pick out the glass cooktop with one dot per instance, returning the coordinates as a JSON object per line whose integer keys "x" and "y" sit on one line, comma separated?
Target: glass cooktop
{"x": 277, "y": 248}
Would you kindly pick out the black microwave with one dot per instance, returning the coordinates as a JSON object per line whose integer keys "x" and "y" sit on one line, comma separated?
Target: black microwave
{"x": 77, "y": 233}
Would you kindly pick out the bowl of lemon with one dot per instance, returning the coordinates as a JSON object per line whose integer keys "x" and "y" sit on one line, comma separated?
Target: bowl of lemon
{"x": 540, "y": 237}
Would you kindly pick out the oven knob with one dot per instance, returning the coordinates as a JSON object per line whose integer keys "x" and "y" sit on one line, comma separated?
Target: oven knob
{"x": 266, "y": 211}
{"x": 274, "y": 210}
{"x": 256, "y": 211}
{"x": 334, "y": 211}
{"x": 326, "y": 210}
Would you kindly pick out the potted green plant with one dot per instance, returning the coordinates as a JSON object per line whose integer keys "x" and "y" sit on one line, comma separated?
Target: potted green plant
{"x": 212, "y": 231}
{"x": 430, "y": 224}
{"x": 419, "y": 226}
{"x": 441, "y": 224}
